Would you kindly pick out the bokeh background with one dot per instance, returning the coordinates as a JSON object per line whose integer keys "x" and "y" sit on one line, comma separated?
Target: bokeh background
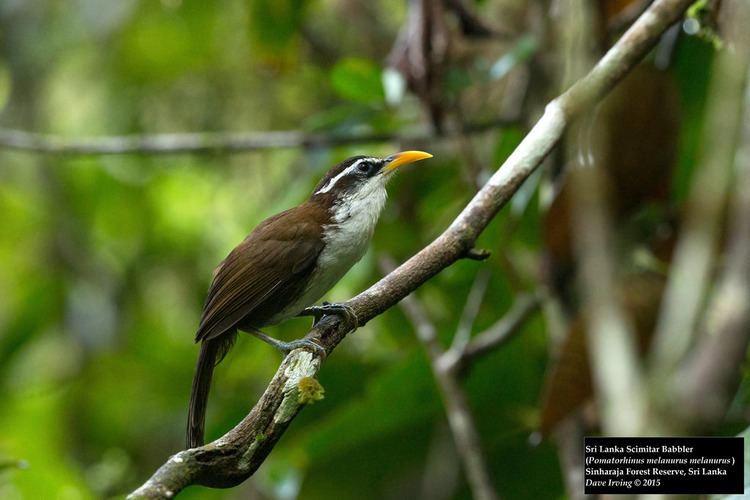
{"x": 105, "y": 259}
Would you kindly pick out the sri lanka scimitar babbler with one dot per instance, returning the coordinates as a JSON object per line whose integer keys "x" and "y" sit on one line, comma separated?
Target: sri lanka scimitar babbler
{"x": 287, "y": 263}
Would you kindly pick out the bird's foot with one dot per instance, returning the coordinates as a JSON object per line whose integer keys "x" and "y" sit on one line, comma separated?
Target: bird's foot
{"x": 327, "y": 309}
{"x": 287, "y": 347}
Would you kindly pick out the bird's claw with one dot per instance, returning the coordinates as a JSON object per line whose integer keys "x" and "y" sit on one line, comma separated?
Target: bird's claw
{"x": 287, "y": 347}
{"x": 327, "y": 309}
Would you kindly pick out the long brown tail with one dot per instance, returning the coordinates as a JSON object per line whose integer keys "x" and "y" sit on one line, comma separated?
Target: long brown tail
{"x": 204, "y": 370}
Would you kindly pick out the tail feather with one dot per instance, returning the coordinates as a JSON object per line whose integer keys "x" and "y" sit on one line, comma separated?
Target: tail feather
{"x": 204, "y": 370}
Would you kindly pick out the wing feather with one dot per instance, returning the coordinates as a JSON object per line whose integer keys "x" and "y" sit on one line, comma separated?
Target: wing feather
{"x": 270, "y": 262}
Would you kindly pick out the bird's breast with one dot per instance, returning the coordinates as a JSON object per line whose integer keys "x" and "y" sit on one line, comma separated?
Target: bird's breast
{"x": 346, "y": 241}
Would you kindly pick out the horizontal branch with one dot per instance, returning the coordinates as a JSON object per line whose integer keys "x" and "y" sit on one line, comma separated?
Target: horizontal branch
{"x": 214, "y": 142}
{"x": 236, "y": 455}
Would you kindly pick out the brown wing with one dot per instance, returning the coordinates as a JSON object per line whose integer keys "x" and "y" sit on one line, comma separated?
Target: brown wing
{"x": 272, "y": 259}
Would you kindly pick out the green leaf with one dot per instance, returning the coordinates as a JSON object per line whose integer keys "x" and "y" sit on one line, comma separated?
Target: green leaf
{"x": 358, "y": 80}
{"x": 274, "y": 23}
{"x": 161, "y": 44}
{"x": 10, "y": 463}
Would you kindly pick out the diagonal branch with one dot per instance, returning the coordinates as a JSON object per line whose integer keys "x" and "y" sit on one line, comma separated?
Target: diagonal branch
{"x": 236, "y": 456}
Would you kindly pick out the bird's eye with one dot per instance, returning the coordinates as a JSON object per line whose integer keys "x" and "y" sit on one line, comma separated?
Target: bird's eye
{"x": 363, "y": 167}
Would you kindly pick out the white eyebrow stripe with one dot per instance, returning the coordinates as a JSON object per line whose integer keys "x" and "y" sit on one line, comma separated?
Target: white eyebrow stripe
{"x": 344, "y": 172}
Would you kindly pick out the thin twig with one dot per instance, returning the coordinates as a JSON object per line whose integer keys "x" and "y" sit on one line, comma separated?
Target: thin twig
{"x": 441, "y": 473}
{"x": 471, "y": 310}
{"x": 213, "y": 142}
{"x": 477, "y": 254}
{"x": 496, "y": 335}
{"x": 236, "y": 456}
{"x": 457, "y": 409}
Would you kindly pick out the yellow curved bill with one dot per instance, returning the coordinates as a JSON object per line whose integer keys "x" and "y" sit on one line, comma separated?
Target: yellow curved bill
{"x": 404, "y": 158}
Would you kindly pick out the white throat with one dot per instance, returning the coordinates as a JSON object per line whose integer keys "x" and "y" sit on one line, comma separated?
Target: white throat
{"x": 359, "y": 212}
{"x": 346, "y": 241}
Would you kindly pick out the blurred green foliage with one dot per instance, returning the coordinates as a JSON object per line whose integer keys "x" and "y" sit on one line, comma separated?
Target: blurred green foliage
{"x": 104, "y": 261}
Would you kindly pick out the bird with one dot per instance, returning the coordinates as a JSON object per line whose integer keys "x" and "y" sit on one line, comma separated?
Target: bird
{"x": 287, "y": 263}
